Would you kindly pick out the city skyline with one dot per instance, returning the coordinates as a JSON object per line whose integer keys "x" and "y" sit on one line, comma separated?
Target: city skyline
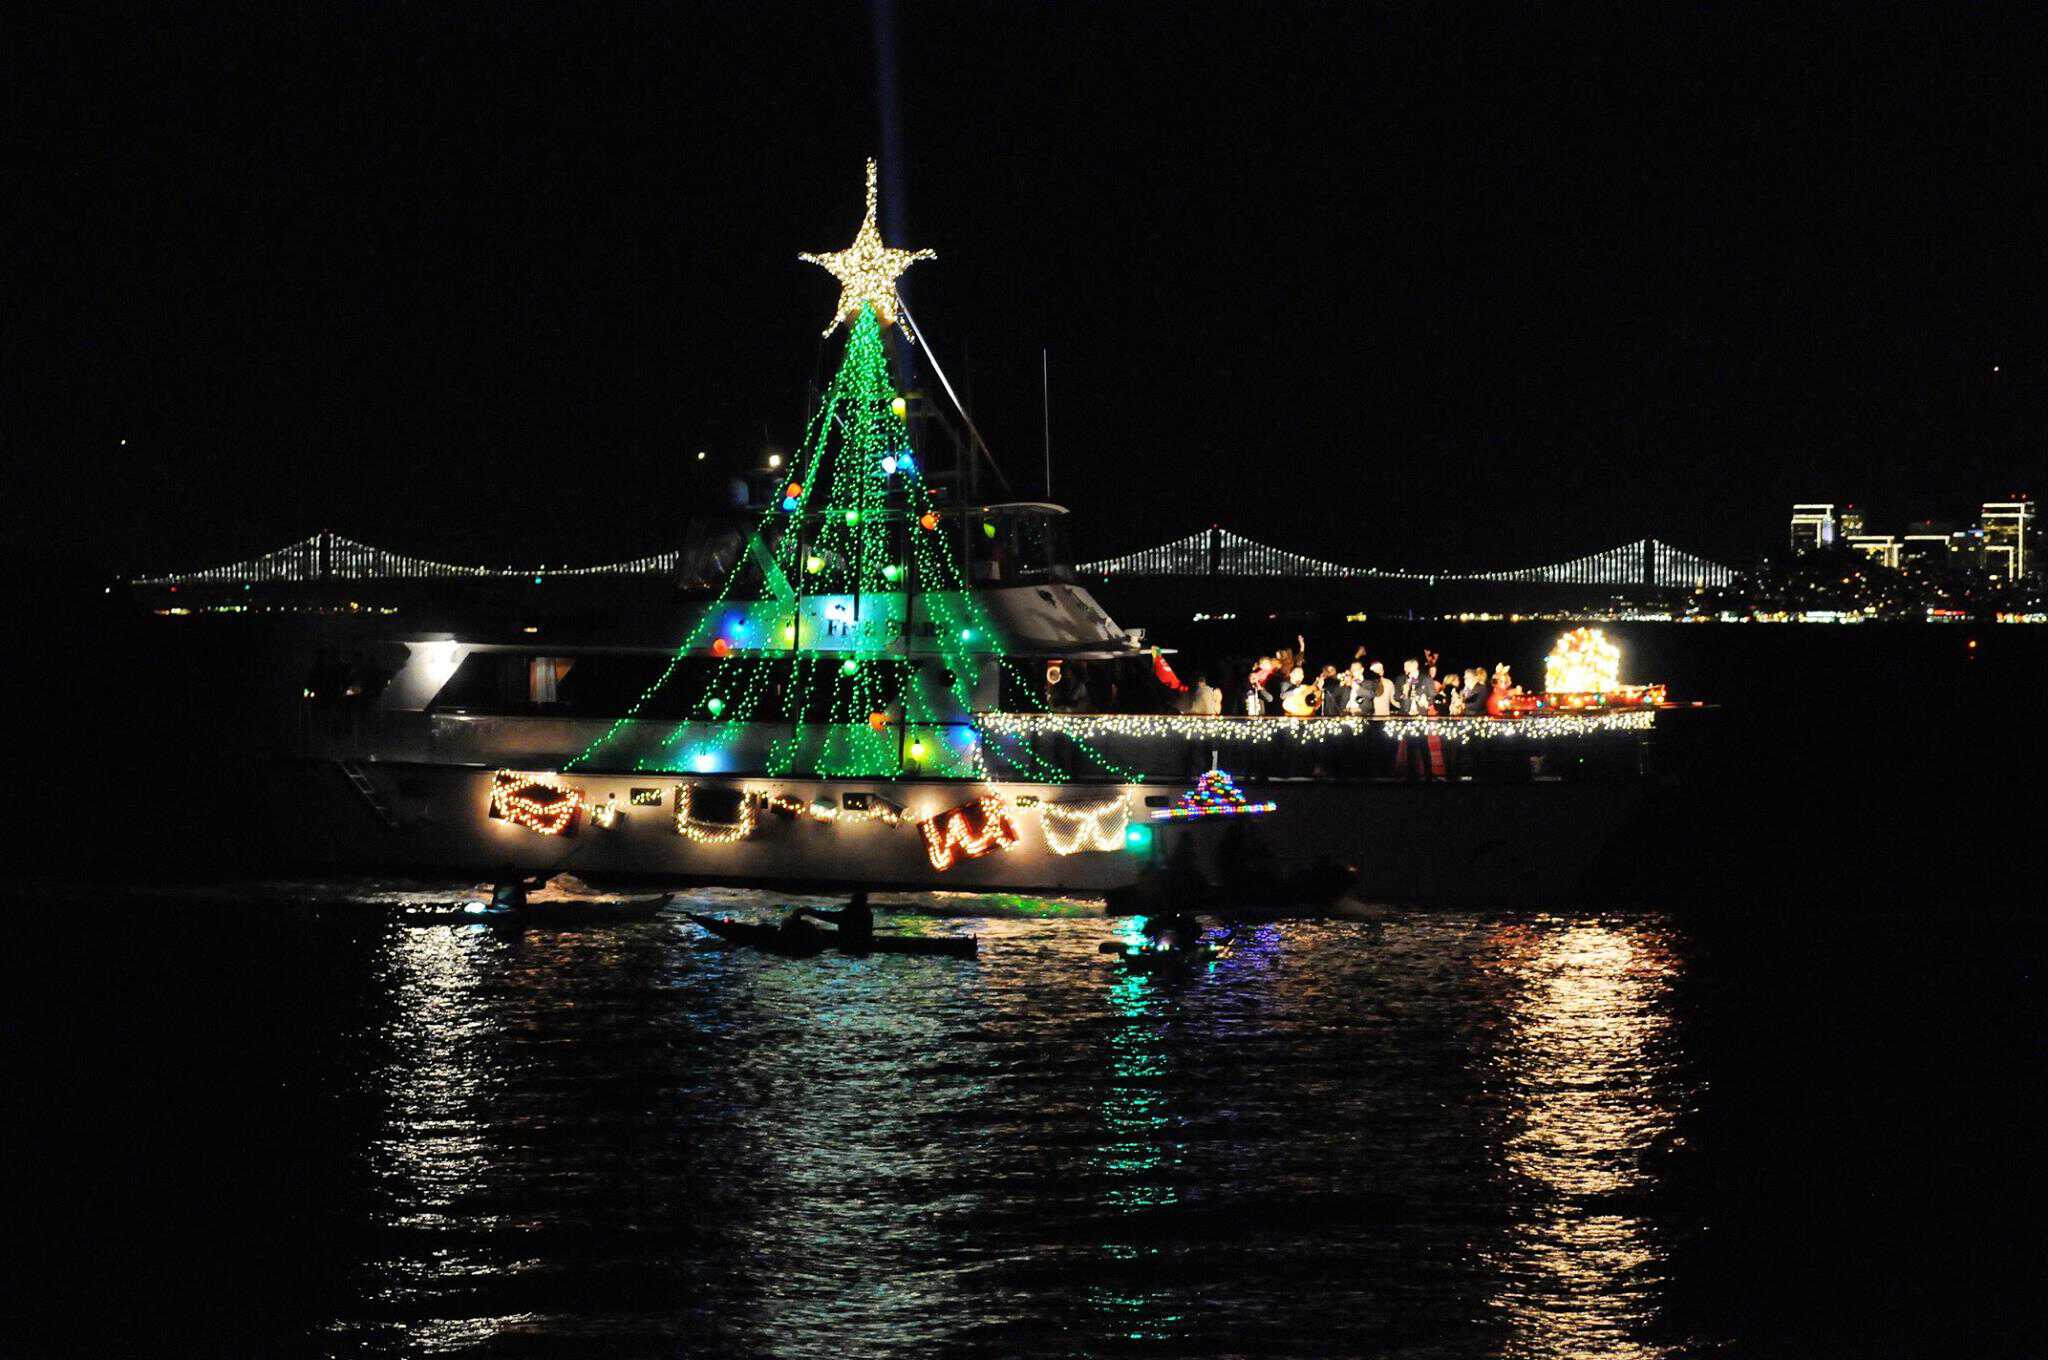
{"x": 2001, "y": 541}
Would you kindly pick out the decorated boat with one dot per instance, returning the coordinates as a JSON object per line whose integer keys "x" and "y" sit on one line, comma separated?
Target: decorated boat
{"x": 872, "y": 690}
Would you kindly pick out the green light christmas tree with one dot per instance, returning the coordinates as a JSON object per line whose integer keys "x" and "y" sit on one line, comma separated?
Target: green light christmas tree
{"x": 847, "y": 622}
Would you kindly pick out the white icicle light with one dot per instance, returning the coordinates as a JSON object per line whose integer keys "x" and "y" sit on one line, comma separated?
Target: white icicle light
{"x": 1309, "y": 731}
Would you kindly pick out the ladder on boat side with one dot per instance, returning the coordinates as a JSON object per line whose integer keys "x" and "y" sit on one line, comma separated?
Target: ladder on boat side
{"x": 369, "y": 793}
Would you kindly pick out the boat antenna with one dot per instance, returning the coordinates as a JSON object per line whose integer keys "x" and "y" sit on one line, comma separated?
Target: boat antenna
{"x": 917, "y": 334}
{"x": 1045, "y": 412}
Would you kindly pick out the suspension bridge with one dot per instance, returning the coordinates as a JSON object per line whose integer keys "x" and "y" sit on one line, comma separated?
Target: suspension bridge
{"x": 1210, "y": 552}
{"x": 331, "y": 557}
{"x": 1217, "y": 551}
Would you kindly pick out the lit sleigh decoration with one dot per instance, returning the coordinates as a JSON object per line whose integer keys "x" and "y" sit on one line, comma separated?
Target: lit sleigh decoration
{"x": 538, "y": 802}
{"x": 968, "y": 831}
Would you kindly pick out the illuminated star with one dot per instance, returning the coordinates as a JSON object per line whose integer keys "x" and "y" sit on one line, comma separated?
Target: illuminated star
{"x": 867, "y": 270}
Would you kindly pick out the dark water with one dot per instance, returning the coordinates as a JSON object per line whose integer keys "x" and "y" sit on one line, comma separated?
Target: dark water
{"x": 251, "y": 1127}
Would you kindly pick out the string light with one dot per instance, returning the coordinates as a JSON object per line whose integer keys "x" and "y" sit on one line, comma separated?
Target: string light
{"x": 968, "y": 831}
{"x": 867, "y": 270}
{"x": 1215, "y": 794}
{"x": 838, "y": 538}
{"x": 860, "y": 807}
{"x": 538, "y": 802}
{"x": 715, "y": 833}
{"x": 605, "y": 815}
{"x": 1073, "y": 827}
{"x": 1307, "y": 731}
{"x": 645, "y": 797}
{"x": 1539, "y": 727}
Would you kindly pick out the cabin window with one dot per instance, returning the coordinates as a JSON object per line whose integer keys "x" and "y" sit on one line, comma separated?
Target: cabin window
{"x": 544, "y": 676}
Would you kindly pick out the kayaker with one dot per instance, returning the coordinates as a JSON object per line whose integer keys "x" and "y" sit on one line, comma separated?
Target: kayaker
{"x": 1172, "y": 930}
{"x": 855, "y": 921}
{"x": 509, "y": 893}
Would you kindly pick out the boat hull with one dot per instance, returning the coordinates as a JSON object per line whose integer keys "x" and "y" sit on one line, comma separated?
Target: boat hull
{"x": 1531, "y": 843}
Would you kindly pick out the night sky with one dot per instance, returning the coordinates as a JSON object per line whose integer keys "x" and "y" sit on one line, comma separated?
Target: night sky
{"x": 1433, "y": 286}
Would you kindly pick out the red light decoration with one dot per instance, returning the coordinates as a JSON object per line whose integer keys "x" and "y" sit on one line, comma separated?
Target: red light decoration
{"x": 794, "y": 490}
{"x": 538, "y": 802}
{"x": 968, "y": 831}
{"x": 720, "y": 647}
{"x": 1215, "y": 794}
{"x": 878, "y": 720}
{"x": 928, "y": 520}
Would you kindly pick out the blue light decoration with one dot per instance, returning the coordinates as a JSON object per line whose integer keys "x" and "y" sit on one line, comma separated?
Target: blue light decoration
{"x": 789, "y": 505}
{"x": 1138, "y": 838}
{"x": 704, "y": 762}
{"x": 1215, "y": 794}
{"x": 904, "y": 462}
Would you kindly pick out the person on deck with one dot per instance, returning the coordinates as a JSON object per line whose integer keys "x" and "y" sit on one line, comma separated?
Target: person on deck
{"x": 1297, "y": 700}
{"x": 1475, "y": 692}
{"x": 1381, "y": 691}
{"x": 1330, "y": 683}
{"x": 1258, "y": 698}
{"x": 1416, "y": 697}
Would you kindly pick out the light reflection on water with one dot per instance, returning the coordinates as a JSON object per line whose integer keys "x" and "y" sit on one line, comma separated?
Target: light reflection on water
{"x": 1429, "y": 1135}
{"x": 1586, "y": 1068}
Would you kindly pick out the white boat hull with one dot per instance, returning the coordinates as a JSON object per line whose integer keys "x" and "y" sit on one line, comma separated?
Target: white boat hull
{"x": 1529, "y": 843}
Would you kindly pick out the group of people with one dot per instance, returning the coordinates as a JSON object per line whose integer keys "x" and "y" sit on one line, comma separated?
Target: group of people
{"x": 1281, "y": 684}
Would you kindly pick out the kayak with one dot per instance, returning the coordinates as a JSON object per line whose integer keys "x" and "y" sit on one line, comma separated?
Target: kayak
{"x": 810, "y": 941}
{"x": 557, "y": 913}
{"x": 1140, "y": 959}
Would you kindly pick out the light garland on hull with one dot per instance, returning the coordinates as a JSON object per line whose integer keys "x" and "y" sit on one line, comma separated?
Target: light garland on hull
{"x": 1073, "y": 827}
{"x": 604, "y": 816}
{"x": 968, "y": 831}
{"x": 1215, "y": 794}
{"x": 1306, "y": 731}
{"x": 715, "y": 833}
{"x": 871, "y": 808}
{"x": 538, "y": 802}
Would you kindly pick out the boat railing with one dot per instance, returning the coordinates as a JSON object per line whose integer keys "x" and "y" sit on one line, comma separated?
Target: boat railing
{"x": 1167, "y": 746}
{"x": 1084, "y": 747}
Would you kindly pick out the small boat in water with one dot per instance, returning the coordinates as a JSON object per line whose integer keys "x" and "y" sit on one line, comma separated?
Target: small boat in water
{"x": 808, "y": 941}
{"x": 1145, "y": 958}
{"x": 552, "y": 914}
